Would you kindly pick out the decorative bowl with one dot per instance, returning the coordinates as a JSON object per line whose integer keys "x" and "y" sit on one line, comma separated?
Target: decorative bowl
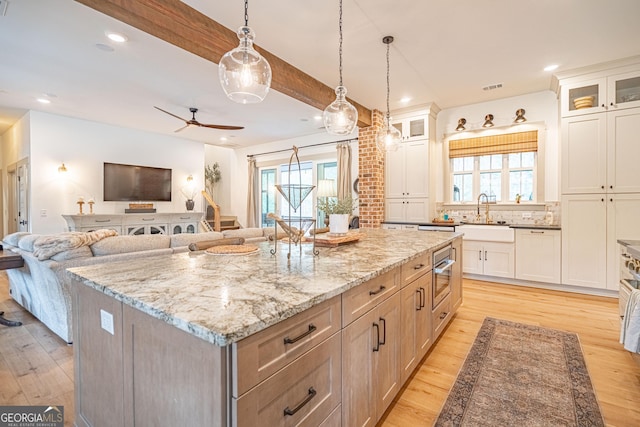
{"x": 583, "y": 102}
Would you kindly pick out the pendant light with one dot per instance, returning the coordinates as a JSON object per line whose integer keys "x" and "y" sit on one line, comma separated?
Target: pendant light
{"x": 340, "y": 117}
{"x": 389, "y": 138}
{"x": 244, "y": 74}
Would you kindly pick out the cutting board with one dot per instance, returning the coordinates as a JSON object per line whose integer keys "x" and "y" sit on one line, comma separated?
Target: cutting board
{"x": 329, "y": 240}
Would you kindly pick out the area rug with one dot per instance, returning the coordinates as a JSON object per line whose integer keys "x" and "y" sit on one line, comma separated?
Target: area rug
{"x": 522, "y": 375}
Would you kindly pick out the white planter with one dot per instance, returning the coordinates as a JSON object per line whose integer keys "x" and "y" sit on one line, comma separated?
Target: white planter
{"x": 338, "y": 223}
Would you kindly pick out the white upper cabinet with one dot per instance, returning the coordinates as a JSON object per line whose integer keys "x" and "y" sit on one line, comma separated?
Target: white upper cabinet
{"x": 602, "y": 93}
{"x": 412, "y": 128}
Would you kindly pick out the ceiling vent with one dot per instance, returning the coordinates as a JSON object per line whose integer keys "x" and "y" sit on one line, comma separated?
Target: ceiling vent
{"x": 493, "y": 86}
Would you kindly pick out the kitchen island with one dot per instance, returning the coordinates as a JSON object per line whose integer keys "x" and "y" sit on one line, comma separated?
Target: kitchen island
{"x": 200, "y": 339}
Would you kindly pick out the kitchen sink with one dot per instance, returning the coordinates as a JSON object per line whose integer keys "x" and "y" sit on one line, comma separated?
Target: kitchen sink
{"x": 486, "y": 232}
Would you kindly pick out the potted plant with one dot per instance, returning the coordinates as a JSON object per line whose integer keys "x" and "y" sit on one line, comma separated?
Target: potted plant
{"x": 212, "y": 175}
{"x": 338, "y": 212}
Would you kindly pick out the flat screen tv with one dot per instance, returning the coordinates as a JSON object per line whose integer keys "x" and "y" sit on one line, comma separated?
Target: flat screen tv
{"x": 133, "y": 183}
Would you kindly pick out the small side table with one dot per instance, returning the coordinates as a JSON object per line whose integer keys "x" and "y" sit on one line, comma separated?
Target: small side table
{"x": 9, "y": 260}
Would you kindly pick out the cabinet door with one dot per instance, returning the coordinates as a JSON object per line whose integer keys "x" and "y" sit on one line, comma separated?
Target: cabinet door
{"x": 595, "y": 88}
{"x": 538, "y": 255}
{"x": 412, "y": 128}
{"x": 387, "y": 367}
{"x": 411, "y": 300}
{"x": 394, "y": 176}
{"x": 416, "y": 168}
{"x": 623, "y": 150}
{"x": 584, "y": 240}
{"x": 416, "y": 210}
{"x": 359, "y": 340}
{"x": 423, "y": 327}
{"x": 584, "y": 154}
{"x": 499, "y": 259}
{"x": 623, "y": 91}
{"x": 472, "y": 257}
{"x": 623, "y": 212}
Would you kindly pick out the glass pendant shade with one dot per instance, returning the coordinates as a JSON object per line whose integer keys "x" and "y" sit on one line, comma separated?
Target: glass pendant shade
{"x": 244, "y": 74}
{"x": 389, "y": 138}
{"x": 340, "y": 117}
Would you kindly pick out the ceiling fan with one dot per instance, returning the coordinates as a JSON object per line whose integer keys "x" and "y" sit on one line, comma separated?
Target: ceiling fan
{"x": 194, "y": 122}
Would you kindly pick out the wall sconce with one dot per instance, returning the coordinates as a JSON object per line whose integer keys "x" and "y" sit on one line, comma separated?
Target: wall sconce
{"x": 190, "y": 178}
{"x": 62, "y": 168}
{"x": 520, "y": 116}
{"x": 461, "y": 123}
{"x": 488, "y": 121}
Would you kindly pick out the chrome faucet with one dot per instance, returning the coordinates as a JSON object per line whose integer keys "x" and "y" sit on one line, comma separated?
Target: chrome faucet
{"x": 486, "y": 213}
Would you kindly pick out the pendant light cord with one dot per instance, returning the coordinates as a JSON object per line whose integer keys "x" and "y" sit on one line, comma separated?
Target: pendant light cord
{"x": 246, "y": 13}
{"x": 388, "y": 90}
{"x": 340, "y": 48}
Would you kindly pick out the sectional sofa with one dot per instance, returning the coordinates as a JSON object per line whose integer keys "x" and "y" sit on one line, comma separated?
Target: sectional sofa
{"x": 42, "y": 287}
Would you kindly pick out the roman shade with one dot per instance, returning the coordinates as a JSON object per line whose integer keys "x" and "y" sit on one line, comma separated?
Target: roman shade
{"x": 495, "y": 144}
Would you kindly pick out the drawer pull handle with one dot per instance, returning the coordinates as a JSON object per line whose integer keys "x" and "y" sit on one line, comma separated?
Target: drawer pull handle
{"x": 185, "y": 217}
{"x": 377, "y": 347}
{"x": 382, "y": 288}
{"x": 384, "y": 331}
{"x": 148, "y": 219}
{"x": 103, "y": 220}
{"x": 312, "y": 329}
{"x": 423, "y": 299}
{"x": 419, "y": 307}
{"x": 418, "y": 267}
{"x": 443, "y": 315}
{"x": 311, "y": 394}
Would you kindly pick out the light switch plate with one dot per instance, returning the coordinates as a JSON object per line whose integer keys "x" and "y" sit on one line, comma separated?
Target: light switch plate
{"x": 106, "y": 321}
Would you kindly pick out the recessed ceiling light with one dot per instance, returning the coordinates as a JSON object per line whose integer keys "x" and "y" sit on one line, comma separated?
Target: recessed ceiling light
{"x": 223, "y": 139}
{"x": 551, "y": 67}
{"x": 104, "y": 47}
{"x": 405, "y": 99}
{"x": 43, "y": 101}
{"x": 317, "y": 117}
{"x": 117, "y": 37}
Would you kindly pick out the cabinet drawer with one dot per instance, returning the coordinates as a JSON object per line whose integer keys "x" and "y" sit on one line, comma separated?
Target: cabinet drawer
{"x": 441, "y": 316}
{"x": 415, "y": 268}
{"x": 357, "y": 301}
{"x": 100, "y": 221}
{"x": 186, "y": 217}
{"x": 261, "y": 355}
{"x": 307, "y": 390}
{"x": 140, "y": 219}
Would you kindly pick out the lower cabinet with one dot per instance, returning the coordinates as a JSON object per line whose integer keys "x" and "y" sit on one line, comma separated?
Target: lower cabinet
{"x": 489, "y": 258}
{"x": 416, "y": 323}
{"x": 538, "y": 254}
{"x": 370, "y": 363}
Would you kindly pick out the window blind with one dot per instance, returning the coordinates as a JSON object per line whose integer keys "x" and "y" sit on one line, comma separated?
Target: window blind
{"x": 496, "y": 144}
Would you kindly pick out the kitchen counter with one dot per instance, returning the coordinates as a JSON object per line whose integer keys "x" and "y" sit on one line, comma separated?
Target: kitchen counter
{"x": 633, "y": 247}
{"x": 224, "y": 298}
{"x": 536, "y": 226}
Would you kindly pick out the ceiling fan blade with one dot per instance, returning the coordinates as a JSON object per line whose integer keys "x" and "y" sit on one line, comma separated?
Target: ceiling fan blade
{"x": 171, "y": 114}
{"x": 183, "y": 127}
{"x": 223, "y": 127}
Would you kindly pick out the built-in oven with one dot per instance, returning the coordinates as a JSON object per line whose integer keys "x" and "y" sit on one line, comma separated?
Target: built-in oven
{"x": 442, "y": 263}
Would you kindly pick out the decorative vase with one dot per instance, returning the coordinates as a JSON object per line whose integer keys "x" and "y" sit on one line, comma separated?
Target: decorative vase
{"x": 338, "y": 223}
{"x": 190, "y": 204}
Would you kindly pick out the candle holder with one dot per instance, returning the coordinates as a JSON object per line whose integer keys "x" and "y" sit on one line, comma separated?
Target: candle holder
{"x": 80, "y": 203}
{"x": 91, "y": 203}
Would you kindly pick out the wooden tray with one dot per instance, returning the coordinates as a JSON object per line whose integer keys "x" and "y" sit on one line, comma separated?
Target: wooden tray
{"x": 232, "y": 250}
{"x": 329, "y": 240}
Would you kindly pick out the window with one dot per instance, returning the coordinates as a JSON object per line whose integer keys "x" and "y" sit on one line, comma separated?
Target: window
{"x": 501, "y": 176}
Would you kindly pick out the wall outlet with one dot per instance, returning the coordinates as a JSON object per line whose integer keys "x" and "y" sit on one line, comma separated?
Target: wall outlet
{"x": 106, "y": 321}
{"x": 526, "y": 215}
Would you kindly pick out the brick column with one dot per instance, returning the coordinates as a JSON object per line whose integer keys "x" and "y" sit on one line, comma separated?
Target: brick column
{"x": 371, "y": 174}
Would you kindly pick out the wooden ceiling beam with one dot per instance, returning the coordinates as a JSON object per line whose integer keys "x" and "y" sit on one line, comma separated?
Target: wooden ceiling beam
{"x": 179, "y": 24}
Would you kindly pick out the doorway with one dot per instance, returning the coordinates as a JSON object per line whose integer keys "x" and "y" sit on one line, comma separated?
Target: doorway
{"x": 18, "y": 196}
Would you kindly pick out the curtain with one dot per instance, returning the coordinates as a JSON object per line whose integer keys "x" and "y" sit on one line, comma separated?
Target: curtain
{"x": 344, "y": 170}
{"x": 495, "y": 144}
{"x": 252, "y": 195}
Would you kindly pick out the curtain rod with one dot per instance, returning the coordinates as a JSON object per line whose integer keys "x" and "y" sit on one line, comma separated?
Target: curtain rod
{"x": 305, "y": 146}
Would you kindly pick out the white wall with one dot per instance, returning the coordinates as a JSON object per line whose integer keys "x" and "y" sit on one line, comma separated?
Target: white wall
{"x": 83, "y": 146}
{"x": 541, "y": 110}
{"x": 323, "y": 152}
{"x": 226, "y": 160}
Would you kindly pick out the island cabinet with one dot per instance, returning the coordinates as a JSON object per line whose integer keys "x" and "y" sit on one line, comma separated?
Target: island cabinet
{"x": 415, "y": 299}
{"x": 370, "y": 349}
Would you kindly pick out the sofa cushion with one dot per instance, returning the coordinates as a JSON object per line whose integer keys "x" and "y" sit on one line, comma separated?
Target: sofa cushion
{"x": 26, "y": 242}
{"x": 124, "y": 244}
{"x": 81, "y": 252}
{"x": 244, "y": 232}
{"x": 179, "y": 240}
{"x": 13, "y": 238}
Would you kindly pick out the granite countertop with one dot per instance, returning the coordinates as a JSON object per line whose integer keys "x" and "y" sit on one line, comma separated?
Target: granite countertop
{"x": 224, "y": 298}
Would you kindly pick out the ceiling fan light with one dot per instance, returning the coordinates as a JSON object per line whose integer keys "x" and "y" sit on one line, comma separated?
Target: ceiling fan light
{"x": 340, "y": 117}
{"x": 244, "y": 74}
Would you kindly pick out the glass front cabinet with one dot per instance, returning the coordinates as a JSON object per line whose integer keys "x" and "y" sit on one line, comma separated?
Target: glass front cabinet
{"x": 606, "y": 93}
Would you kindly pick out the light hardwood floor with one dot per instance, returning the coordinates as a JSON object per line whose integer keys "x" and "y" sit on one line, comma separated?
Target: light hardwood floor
{"x": 36, "y": 367}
